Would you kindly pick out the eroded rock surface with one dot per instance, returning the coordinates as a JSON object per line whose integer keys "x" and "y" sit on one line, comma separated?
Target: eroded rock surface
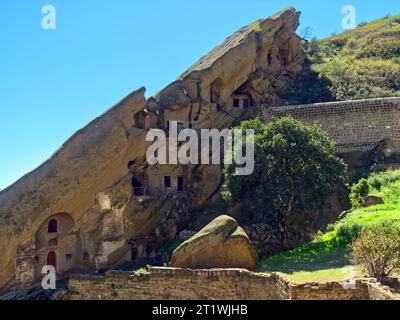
{"x": 115, "y": 206}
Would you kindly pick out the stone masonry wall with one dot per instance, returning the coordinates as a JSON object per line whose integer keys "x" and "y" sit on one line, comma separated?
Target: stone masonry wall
{"x": 175, "y": 284}
{"x": 216, "y": 284}
{"x": 357, "y": 125}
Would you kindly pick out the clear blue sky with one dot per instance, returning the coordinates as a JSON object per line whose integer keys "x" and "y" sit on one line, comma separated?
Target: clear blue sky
{"x": 53, "y": 82}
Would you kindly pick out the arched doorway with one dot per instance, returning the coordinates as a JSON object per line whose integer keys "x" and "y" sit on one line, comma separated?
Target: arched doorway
{"x": 52, "y": 259}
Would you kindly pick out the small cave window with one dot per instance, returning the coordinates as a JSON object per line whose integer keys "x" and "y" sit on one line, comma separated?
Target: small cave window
{"x": 86, "y": 256}
{"x": 284, "y": 62}
{"x": 150, "y": 251}
{"x": 36, "y": 259}
{"x": 180, "y": 184}
{"x": 134, "y": 254}
{"x": 269, "y": 58}
{"x": 68, "y": 256}
{"x": 167, "y": 182}
{"x": 137, "y": 186}
{"x": 52, "y": 228}
{"x": 236, "y": 103}
{"x": 53, "y": 243}
{"x": 131, "y": 163}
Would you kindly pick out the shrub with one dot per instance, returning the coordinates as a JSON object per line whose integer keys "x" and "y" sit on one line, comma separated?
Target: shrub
{"x": 256, "y": 26}
{"x": 377, "y": 251}
{"x": 379, "y": 179}
{"x": 346, "y": 233}
{"x": 359, "y": 192}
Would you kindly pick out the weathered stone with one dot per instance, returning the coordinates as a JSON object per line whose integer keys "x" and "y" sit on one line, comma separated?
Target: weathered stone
{"x": 119, "y": 205}
{"x": 220, "y": 284}
{"x": 372, "y": 200}
{"x": 221, "y": 244}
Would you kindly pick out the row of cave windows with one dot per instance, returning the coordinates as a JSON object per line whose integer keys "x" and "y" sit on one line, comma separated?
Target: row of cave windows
{"x": 241, "y": 103}
{"x": 138, "y": 189}
{"x": 150, "y": 252}
{"x": 284, "y": 60}
{"x": 52, "y": 258}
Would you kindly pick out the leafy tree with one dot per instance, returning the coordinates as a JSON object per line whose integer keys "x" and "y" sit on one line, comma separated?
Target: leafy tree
{"x": 296, "y": 169}
{"x": 377, "y": 250}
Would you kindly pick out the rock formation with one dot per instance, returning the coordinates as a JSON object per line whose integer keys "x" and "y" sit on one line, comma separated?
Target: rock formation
{"x": 221, "y": 244}
{"x": 97, "y": 203}
{"x": 372, "y": 200}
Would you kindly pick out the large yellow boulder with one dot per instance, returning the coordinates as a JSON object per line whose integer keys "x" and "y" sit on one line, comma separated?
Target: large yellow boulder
{"x": 221, "y": 244}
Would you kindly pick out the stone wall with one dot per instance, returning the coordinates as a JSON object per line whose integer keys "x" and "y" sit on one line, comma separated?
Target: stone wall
{"x": 176, "y": 284}
{"x": 356, "y": 289}
{"x": 357, "y": 125}
{"x": 24, "y": 264}
{"x": 216, "y": 284}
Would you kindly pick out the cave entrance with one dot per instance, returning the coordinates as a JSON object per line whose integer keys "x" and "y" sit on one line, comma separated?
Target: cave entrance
{"x": 137, "y": 186}
{"x": 150, "y": 253}
{"x": 180, "y": 184}
{"x": 52, "y": 259}
{"x": 134, "y": 254}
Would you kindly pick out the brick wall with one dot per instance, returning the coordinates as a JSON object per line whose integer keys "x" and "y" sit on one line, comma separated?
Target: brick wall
{"x": 357, "y": 125}
{"x": 217, "y": 284}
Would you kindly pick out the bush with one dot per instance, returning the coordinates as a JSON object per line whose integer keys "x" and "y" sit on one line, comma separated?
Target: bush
{"x": 377, "y": 251}
{"x": 359, "y": 192}
{"x": 346, "y": 233}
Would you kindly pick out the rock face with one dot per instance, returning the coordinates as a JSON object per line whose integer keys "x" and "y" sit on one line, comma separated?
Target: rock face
{"x": 97, "y": 202}
{"x": 221, "y": 244}
{"x": 372, "y": 200}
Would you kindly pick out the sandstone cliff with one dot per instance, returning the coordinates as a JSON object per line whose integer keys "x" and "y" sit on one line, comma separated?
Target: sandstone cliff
{"x": 111, "y": 206}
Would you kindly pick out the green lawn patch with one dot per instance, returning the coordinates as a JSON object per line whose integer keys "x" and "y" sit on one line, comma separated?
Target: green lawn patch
{"x": 325, "y": 258}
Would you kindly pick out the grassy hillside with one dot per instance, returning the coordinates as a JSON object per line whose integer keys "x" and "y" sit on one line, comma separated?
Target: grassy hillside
{"x": 325, "y": 258}
{"x": 357, "y": 64}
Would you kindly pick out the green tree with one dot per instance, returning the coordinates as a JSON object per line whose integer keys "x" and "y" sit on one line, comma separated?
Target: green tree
{"x": 296, "y": 169}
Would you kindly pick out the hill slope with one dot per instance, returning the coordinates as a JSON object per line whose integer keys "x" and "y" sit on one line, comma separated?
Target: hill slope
{"x": 357, "y": 64}
{"x": 325, "y": 258}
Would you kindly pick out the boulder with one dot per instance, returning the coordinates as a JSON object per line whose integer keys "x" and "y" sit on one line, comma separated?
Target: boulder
{"x": 372, "y": 200}
{"x": 221, "y": 244}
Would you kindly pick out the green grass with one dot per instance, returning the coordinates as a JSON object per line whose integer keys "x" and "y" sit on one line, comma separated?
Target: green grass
{"x": 325, "y": 258}
{"x": 141, "y": 270}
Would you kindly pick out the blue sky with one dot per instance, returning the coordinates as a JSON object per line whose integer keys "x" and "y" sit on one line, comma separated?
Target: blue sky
{"x": 52, "y": 82}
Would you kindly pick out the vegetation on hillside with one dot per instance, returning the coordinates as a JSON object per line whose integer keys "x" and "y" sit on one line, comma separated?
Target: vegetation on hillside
{"x": 357, "y": 64}
{"x": 377, "y": 251}
{"x": 329, "y": 252}
{"x": 295, "y": 170}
